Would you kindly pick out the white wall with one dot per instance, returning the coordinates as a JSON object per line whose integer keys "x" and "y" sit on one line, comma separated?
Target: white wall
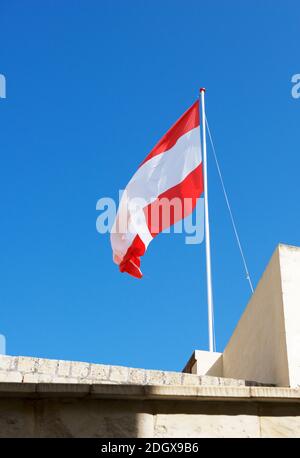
{"x": 290, "y": 281}
{"x": 257, "y": 349}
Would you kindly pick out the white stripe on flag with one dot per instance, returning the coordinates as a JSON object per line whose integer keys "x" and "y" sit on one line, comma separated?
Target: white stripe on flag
{"x": 167, "y": 169}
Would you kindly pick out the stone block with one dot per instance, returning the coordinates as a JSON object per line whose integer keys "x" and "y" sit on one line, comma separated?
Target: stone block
{"x": 231, "y": 382}
{"x": 63, "y": 368}
{"x": 206, "y": 380}
{"x": 137, "y": 376}
{"x": 201, "y": 425}
{"x": 26, "y": 364}
{"x": 10, "y": 376}
{"x": 99, "y": 372}
{"x": 155, "y": 377}
{"x": 173, "y": 378}
{"x": 80, "y": 370}
{"x": 119, "y": 374}
{"x": 281, "y": 426}
{"x": 189, "y": 379}
{"x": 47, "y": 366}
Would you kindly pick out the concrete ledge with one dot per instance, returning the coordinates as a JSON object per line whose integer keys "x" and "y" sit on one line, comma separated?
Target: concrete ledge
{"x": 194, "y": 393}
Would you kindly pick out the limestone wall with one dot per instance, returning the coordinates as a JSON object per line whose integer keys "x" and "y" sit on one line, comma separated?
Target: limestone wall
{"x": 39, "y": 370}
{"x": 49, "y": 410}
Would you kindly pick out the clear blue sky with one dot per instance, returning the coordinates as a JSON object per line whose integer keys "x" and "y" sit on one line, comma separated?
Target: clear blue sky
{"x": 91, "y": 87}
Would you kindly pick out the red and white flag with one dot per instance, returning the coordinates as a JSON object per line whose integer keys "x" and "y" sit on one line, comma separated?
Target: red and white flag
{"x": 171, "y": 171}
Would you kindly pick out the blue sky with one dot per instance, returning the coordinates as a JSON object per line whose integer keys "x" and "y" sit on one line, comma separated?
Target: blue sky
{"x": 91, "y": 87}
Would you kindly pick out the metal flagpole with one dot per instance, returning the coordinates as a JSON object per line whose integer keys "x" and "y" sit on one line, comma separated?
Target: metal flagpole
{"x": 207, "y": 234}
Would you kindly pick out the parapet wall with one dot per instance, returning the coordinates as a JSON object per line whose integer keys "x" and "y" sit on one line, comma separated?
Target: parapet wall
{"x": 39, "y": 370}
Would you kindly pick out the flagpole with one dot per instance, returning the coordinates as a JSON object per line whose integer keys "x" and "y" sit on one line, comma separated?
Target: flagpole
{"x": 207, "y": 233}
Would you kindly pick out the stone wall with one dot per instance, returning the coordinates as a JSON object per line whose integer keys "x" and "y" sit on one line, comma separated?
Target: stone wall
{"x": 58, "y": 410}
{"x": 39, "y": 370}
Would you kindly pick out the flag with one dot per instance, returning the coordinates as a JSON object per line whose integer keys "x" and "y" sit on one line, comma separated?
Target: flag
{"x": 164, "y": 190}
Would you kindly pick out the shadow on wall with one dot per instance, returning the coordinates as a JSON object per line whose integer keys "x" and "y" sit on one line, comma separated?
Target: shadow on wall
{"x": 120, "y": 418}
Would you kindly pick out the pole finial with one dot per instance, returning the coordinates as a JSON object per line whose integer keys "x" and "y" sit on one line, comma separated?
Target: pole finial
{"x": 202, "y": 89}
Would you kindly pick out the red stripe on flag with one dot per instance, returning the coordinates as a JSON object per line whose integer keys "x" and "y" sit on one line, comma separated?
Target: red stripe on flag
{"x": 131, "y": 261}
{"x": 190, "y": 188}
{"x": 175, "y": 204}
{"x": 188, "y": 121}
